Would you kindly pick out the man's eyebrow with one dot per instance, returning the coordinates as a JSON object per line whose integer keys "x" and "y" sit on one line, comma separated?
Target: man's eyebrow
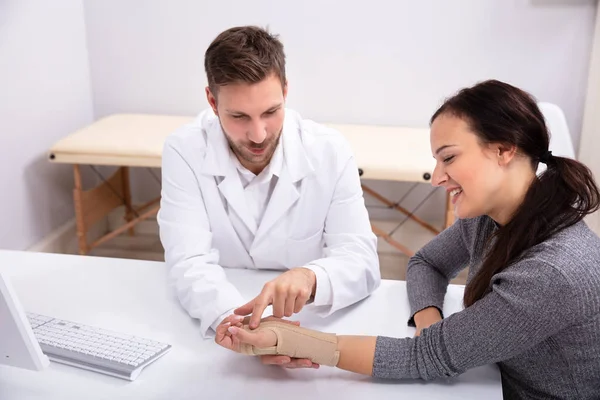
{"x": 276, "y": 106}
{"x": 235, "y": 112}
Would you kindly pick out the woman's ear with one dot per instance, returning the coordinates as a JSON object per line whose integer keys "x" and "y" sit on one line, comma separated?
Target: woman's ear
{"x": 505, "y": 153}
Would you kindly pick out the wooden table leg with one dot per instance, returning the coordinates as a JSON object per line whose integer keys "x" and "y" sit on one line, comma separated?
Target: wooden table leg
{"x": 79, "y": 214}
{"x": 129, "y": 214}
{"x": 379, "y": 232}
{"x": 95, "y": 204}
{"x": 152, "y": 211}
{"x": 403, "y": 210}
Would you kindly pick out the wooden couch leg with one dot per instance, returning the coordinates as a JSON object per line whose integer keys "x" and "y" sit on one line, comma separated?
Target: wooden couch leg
{"x": 79, "y": 215}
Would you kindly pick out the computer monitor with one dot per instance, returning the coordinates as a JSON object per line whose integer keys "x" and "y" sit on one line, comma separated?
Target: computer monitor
{"x": 18, "y": 345}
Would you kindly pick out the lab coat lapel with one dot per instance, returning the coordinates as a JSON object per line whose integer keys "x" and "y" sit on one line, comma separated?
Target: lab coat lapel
{"x": 295, "y": 166}
{"x": 284, "y": 196}
{"x": 231, "y": 189}
{"x": 218, "y": 163}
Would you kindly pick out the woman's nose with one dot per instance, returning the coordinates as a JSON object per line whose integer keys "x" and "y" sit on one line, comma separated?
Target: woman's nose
{"x": 439, "y": 176}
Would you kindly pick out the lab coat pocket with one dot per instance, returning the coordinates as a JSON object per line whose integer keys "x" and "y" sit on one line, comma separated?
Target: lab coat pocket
{"x": 302, "y": 251}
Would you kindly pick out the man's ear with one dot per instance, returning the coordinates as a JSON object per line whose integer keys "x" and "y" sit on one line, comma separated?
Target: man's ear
{"x": 505, "y": 153}
{"x": 285, "y": 90}
{"x": 212, "y": 100}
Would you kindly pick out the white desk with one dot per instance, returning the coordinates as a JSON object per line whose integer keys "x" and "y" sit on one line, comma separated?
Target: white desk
{"x": 131, "y": 296}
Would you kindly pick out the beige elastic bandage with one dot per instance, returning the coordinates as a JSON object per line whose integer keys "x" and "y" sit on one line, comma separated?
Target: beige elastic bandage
{"x": 296, "y": 342}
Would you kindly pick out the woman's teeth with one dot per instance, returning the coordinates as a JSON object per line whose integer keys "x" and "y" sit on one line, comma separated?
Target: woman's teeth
{"x": 455, "y": 192}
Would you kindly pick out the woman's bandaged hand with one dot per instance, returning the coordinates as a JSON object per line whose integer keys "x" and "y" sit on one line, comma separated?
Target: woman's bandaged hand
{"x": 280, "y": 338}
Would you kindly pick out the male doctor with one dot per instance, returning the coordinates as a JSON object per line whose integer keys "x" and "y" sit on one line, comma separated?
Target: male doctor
{"x": 250, "y": 184}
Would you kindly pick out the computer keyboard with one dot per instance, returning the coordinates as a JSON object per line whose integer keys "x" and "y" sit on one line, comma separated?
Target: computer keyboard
{"x": 95, "y": 349}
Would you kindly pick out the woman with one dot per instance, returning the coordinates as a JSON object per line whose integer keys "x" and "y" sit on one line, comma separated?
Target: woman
{"x": 532, "y": 299}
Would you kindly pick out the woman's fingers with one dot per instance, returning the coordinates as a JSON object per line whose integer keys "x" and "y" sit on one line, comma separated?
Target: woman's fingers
{"x": 275, "y": 360}
{"x": 260, "y": 339}
{"x": 287, "y": 362}
{"x": 300, "y": 363}
{"x": 222, "y": 332}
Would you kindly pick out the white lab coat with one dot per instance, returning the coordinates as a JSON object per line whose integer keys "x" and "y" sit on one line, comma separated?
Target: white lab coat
{"x": 316, "y": 218}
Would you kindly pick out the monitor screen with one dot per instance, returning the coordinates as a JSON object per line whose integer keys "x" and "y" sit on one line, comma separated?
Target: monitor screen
{"x": 18, "y": 345}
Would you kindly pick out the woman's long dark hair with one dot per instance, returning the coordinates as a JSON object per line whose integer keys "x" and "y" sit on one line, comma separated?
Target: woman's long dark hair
{"x": 562, "y": 196}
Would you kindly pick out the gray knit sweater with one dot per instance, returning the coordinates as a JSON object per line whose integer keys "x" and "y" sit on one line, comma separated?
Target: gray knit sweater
{"x": 540, "y": 323}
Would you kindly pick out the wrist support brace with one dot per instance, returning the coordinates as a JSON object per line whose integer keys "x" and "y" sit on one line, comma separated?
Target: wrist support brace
{"x": 296, "y": 342}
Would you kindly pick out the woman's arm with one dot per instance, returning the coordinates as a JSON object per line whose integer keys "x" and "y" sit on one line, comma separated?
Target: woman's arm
{"x": 357, "y": 353}
{"x": 523, "y": 309}
{"x": 432, "y": 267}
{"x": 528, "y": 303}
{"x": 425, "y": 318}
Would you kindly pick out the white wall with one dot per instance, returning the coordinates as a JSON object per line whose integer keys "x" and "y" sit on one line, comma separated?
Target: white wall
{"x": 589, "y": 145}
{"x": 44, "y": 94}
{"x": 376, "y": 62}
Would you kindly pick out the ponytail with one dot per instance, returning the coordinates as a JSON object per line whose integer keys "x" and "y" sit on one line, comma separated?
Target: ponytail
{"x": 560, "y": 197}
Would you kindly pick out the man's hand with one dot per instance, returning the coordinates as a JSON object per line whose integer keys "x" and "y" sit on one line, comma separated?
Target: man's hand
{"x": 288, "y": 293}
{"x": 425, "y": 318}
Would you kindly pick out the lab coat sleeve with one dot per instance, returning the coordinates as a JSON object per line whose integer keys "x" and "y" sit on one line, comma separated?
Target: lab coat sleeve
{"x": 193, "y": 270}
{"x": 349, "y": 270}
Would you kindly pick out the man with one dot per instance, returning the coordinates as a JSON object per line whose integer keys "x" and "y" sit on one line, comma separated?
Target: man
{"x": 250, "y": 184}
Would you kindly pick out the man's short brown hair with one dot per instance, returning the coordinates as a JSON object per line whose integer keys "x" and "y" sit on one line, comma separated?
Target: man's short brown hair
{"x": 244, "y": 54}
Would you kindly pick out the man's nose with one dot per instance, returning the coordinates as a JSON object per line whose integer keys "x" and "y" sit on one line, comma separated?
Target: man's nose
{"x": 258, "y": 132}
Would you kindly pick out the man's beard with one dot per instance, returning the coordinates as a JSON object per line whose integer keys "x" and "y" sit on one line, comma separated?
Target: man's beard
{"x": 241, "y": 150}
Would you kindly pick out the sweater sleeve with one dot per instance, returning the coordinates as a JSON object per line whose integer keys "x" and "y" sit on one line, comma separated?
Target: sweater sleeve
{"x": 528, "y": 303}
{"x": 433, "y": 266}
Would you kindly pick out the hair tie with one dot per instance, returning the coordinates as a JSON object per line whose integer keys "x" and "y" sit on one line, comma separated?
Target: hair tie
{"x": 546, "y": 157}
